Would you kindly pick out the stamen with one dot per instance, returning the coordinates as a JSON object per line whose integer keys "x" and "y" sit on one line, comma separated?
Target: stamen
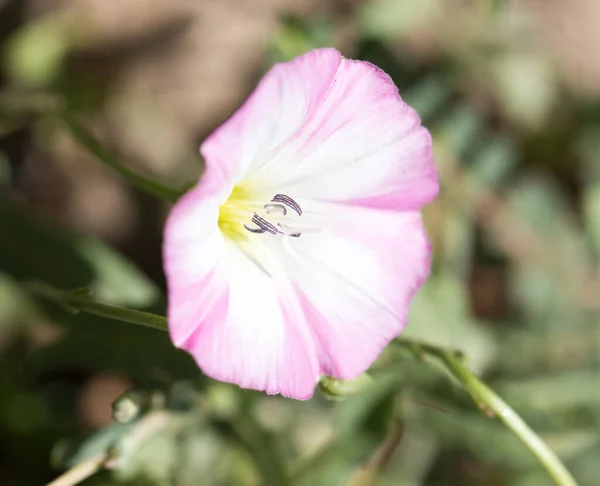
{"x": 278, "y": 204}
{"x": 289, "y": 202}
{"x": 264, "y": 224}
{"x": 254, "y": 230}
{"x": 272, "y": 207}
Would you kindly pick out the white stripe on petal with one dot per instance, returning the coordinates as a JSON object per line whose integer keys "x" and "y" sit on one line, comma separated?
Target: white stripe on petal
{"x": 257, "y": 336}
{"x": 355, "y": 280}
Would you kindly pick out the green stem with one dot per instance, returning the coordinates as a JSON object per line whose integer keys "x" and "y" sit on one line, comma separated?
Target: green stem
{"x": 81, "y": 471}
{"x": 80, "y": 301}
{"x": 120, "y": 314}
{"x": 489, "y": 402}
{"x": 88, "y": 141}
{"x": 483, "y": 396}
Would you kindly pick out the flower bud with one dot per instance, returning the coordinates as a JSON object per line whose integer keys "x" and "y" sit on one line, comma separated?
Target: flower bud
{"x": 338, "y": 390}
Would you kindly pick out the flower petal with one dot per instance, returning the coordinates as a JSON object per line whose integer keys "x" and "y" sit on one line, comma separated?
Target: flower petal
{"x": 334, "y": 135}
{"x": 192, "y": 248}
{"x": 288, "y": 94}
{"x": 241, "y": 325}
{"x": 362, "y": 145}
{"x": 356, "y": 280}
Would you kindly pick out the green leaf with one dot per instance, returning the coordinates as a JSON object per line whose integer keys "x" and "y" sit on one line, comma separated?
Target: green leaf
{"x": 116, "y": 279}
{"x": 36, "y": 53}
{"x": 70, "y": 452}
{"x": 34, "y": 250}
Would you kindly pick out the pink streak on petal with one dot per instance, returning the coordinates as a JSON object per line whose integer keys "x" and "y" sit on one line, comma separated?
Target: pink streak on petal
{"x": 253, "y": 339}
{"x": 192, "y": 248}
{"x": 288, "y": 94}
{"x": 239, "y": 324}
{"x": 363, "y": 145}
{"x": 414, "y": 197}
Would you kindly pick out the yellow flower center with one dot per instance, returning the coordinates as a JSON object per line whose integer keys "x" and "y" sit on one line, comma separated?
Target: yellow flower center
{"x": 234, "y": 212}
{"x": 245, "y": 213}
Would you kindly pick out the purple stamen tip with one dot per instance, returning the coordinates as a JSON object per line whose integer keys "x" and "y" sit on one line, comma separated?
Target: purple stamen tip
{"x": 288, "y": 201}
{"x": 264, "y": 224}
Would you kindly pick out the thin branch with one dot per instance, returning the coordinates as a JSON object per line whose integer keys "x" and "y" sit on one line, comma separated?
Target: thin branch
{"x": 81, "y": 301}
{"x": 81, "y": 471}
{"x": 22, "y": 106}
{"x": 142, "y": 182}
{"x": 490, "y": 403}
{"x": 144, "y": 428}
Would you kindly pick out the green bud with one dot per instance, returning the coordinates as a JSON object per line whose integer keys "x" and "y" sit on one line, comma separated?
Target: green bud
{"x": 339, "y": 390}
{"x": 130, "y": 405}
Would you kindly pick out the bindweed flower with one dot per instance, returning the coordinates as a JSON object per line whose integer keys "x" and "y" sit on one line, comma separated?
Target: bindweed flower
{"x": 298, "y": 252}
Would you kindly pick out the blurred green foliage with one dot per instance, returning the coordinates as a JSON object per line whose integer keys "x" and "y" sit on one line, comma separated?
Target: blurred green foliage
{"x": 515, "y": 283}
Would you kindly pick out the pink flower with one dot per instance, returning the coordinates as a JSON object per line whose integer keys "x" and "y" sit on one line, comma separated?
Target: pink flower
{"x": 300, "y": 249}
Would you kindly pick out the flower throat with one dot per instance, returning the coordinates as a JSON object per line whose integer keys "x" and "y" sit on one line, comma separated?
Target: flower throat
{"x": 240, "y": 215}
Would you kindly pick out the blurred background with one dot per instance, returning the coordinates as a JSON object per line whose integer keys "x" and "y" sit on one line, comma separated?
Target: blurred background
{"x": 510, "y": 91}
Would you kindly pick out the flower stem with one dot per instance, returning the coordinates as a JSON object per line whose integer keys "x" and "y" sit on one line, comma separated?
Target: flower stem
{"x": 80, "y": 300}
{"x": 81, "y": 471}
{"x": 121, "y": 314}
{"x": 142, "y": 182}
{"x": 482, "y": 395}
{"x": 149, "y": 425}
{"x": 490, "y": 403}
